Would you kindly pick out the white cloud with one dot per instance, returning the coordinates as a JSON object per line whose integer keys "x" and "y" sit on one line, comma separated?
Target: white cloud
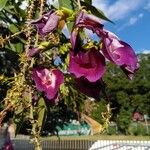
{"x": 132, "y": 21}
{"x": 145, "y": 51}
{"x": 120, "y": 9}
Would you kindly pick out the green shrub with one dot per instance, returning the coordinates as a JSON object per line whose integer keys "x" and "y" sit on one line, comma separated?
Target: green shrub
{"x": 139, "y": 129}
{"x": 111, "y": 130}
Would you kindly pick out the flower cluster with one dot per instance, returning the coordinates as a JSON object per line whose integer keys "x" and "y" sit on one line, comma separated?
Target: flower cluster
{"x": 87, "y": 65}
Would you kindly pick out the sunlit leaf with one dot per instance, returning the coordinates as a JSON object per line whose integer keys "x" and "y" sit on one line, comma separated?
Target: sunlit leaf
{"x": 19, "y": 11}
{"x": 17, "y": 47}
{"x": 70, "y": 26}
{"x": 2, "y": 4}
{"x": 41, "y": 113}
{"x": 13, "y": 28}
{"x": 67, "y": 3}
{"x": 67, "y": 11}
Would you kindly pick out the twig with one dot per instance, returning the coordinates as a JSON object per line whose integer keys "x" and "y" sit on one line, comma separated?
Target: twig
{"x": 79, "y": 4}
{"x": 42, "y": 7}
{"x": 4, "y": 112}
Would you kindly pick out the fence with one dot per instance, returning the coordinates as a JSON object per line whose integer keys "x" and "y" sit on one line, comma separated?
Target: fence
{"x": 25, "y": 144}
{"x": 54, "y": 144}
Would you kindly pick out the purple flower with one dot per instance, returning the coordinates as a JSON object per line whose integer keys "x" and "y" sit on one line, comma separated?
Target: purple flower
{"x": 90, "y": 65}
{"x": 113, "y": 48}
{"x": 84, "y": 20}
{"x": 91, "y": 89}
{"x": 88, "y": 21}
{"x": 33, "y": 51}
{"x": 48, "y": 81}
{"x": 119, "y": 53}
{"x": 46, "y": 23}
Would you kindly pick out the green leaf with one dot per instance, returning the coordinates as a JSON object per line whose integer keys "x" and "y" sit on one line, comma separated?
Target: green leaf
{"x": 17, "y": 47}
{"x": 95, "y": 11}
{"x": 67, "y": 11}
{"x": 19, "y": 120}
{"x": 88, "y": 2}
{"x": 12, "y": 46}
{"x": 41, "y": 113}
{"x": 2, "y": 4}
{"x": 68, "y": 4}
{"x": 64, "y": 48}
{"x": 70, "y": 26}
{"x": 10, "y": 9}
{"x": 13, "y": 28}
{"x": 19, "y": 11}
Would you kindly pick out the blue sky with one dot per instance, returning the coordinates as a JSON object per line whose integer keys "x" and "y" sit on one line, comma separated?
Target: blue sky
{"x": 132, "y": 21}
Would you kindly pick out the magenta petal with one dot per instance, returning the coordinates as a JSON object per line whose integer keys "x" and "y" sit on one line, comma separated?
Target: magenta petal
{"x": 129, "y": 74}
{"x": 110, "y": 44}
{"x": 91, "y": 89}
{"x": 126, "y": 56}
{"x": 51, "y": 23}
{"x": 75, "y": 41}
{"x": 33, "y": 51}
{"x": 48, "y": 81}
{"x": 47, "y": 23}
{"x": 57, "y": 79}
{"x": 88, "y": 21}
{"x": 37, "y": 75}
{"x": 90, "y": 65}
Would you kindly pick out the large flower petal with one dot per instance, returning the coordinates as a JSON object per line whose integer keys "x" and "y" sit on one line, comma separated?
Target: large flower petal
{"x": 33, "y": 51}
{"x": 51, "y": 23}
{"x": 47, "y": 23}
{"x": 38, "y": 75}
{"x": 119, "y": 53}
{"x": 91, "y": 89}
{"x": 57, "y": 79}
{"x": 88, "y": 21}
{"x": 90, "y": 64}
{"x": 73, "y": 39}
{"x": 48, "y": 81}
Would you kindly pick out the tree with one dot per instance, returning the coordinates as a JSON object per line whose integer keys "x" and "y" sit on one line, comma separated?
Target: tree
{"x": 127, "y": 97}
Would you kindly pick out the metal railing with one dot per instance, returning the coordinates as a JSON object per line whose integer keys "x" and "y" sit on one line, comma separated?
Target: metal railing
{"x": 53, "y": 144}
{"x": 26, "y": 144}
